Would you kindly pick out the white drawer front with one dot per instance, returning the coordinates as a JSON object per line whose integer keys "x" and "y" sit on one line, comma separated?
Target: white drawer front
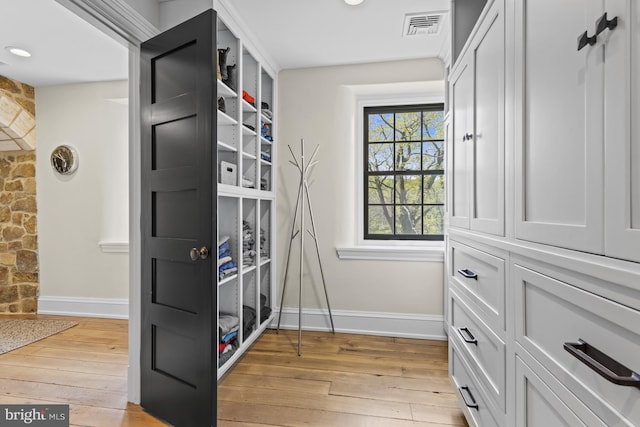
{"x": 552, "y": 313}
{"x": 481, "y": 276}
{"x": 538, "y": 406}
{"x": 470, "y": 395}
{"x": 483, "y": 347}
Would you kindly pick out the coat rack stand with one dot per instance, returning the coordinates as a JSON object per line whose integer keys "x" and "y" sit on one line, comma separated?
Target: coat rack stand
{"x": 303, "y": 194}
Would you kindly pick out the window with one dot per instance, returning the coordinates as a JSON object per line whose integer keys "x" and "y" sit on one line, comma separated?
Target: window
{"x": 404, "y": 172}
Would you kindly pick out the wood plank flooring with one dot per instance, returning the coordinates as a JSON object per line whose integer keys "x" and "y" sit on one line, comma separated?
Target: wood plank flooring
{"x": 340, "y": 380}
{"x": 84, "y": 366}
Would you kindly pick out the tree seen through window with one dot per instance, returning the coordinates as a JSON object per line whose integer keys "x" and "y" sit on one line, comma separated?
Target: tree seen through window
{"x": 404, "y": 155}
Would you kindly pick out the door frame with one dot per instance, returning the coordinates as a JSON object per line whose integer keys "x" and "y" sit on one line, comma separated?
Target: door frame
{"x": 126, "y": 26}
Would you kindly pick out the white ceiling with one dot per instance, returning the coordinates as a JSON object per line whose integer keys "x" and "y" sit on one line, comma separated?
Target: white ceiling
{"x": 296, "y": 33}
{"x": 310, "y": 33}
{"x": 64, "y": 48}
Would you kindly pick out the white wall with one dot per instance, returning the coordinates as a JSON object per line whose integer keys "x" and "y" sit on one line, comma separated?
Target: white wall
{"x": 78, "y": 211}
{"x": 319, "y": 105}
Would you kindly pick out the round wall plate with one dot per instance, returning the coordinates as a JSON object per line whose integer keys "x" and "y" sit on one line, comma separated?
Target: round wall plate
{"x": 64, "y": 160}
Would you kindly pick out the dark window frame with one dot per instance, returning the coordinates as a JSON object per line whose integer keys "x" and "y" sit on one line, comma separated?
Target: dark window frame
{"x": 367, "y": 111}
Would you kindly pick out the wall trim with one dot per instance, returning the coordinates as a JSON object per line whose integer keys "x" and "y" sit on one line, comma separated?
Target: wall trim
{"x": 114, "y": 16}
{"x": 391, "y": 253}
{"x": 114, "y": 247}
{"x": 110, "y": 308}
{"x": 421, "y": 326}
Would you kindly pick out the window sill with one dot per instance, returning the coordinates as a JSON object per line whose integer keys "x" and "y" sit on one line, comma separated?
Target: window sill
{"x": 392, "y": 253}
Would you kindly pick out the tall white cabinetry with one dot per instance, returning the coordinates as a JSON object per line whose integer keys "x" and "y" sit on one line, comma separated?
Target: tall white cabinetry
{"x": 477, "y": 142}
{"x": 575, "y": 159}
{"x": 543, "y": 244}
{"x": 246, "y": 197}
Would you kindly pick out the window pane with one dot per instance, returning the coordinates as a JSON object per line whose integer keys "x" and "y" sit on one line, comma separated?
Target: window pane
{"x": 380, "y": 157}
{"x": 380, "y": 127}
{"x": 433, "y": 189}
{"x": 408, "y": 219}
{"x": 433, "y": 155}
{"x": 408, "y": 156}
{"x": 434, "y": 220}
{"x": 432, "y": 126}
{"x": 408, "y": 126}
{"x": 381, "y": 189}
{"x": 380, "y": 220}
{"x": 409, "y": 189}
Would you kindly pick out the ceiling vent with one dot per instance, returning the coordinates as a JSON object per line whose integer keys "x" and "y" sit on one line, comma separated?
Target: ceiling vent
{"x": 422, "y": 24}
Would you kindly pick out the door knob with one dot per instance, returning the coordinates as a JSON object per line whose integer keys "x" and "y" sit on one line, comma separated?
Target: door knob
{"x": 204, "y": 252}
{"x": 196, "y": 254}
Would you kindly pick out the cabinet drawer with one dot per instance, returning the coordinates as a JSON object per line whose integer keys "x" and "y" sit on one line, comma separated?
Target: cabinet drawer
{"x": 555, "y": 316}
{"x": 538, "y": 405}
{"x": 481, "y": 276}
{"x": 483, "y": 347}
{"x": 471, "y": 396}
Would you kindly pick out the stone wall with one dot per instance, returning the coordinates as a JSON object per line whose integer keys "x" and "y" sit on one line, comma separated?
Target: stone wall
{"x": 18, "y": 221}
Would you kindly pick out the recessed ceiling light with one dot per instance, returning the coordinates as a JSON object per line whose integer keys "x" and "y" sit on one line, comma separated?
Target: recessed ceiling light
{"x": 353, "y": 2}
{"x": 18, "y": 51}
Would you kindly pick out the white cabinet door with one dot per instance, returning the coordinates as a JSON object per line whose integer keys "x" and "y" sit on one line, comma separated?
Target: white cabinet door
{"x": 460, "y": 148}
{"x": 477, "y": 143}
{"x": 559, "y": 125}
{"x": 487, "y": 192}
{"x": 622, "y": 109}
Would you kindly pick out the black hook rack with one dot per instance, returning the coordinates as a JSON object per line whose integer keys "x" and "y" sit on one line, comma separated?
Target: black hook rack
{"x": 584, "y": 40}
{"x": 603, "y": 23}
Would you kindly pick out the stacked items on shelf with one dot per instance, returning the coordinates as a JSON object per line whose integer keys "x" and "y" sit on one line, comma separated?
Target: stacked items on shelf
{"x": 247, "y": 183}
{"x": 248, "y": 320}
{"x": 250, "y": 99}
{"x": 226, "y": 266}
{"x": 227, "y": 73}
{"x": 228, "y": 326}
{"x": 265, "y": 131}
{"x": 266, "y": 111}
{"x": 265, "y": 311}
{"x": 265, "y": 156}
{"x": 264, "y": 254}
{"x": 249, "y": 316}
{"x": 248, "y": 242}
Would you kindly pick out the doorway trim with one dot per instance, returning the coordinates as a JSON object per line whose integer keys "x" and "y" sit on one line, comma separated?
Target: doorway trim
{"x": 126, "y": 26}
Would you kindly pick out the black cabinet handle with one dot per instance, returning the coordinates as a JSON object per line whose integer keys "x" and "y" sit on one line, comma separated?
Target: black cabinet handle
{"x": 603, "y": 23}
{"x": 584, "y": 40}
{"x": 468, "y": 273}
{"x": 603, "y": 364}
{"x": 467, "y": 336}
{"x": 473, "y": 405}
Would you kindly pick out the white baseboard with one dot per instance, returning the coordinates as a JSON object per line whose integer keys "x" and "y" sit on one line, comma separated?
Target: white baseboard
{"x": 368, "y": 323}
{"x": 111, "y": 308}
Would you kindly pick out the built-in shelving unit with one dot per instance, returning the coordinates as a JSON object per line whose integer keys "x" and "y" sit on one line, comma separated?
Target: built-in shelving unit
{"x": 245, "y": 192}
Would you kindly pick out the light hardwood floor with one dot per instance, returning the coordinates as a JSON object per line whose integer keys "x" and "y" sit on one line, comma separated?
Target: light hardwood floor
{"x": 340, "y": 380}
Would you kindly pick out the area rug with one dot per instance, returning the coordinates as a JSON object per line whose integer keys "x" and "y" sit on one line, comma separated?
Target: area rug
{"x": 16, "y": 333}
